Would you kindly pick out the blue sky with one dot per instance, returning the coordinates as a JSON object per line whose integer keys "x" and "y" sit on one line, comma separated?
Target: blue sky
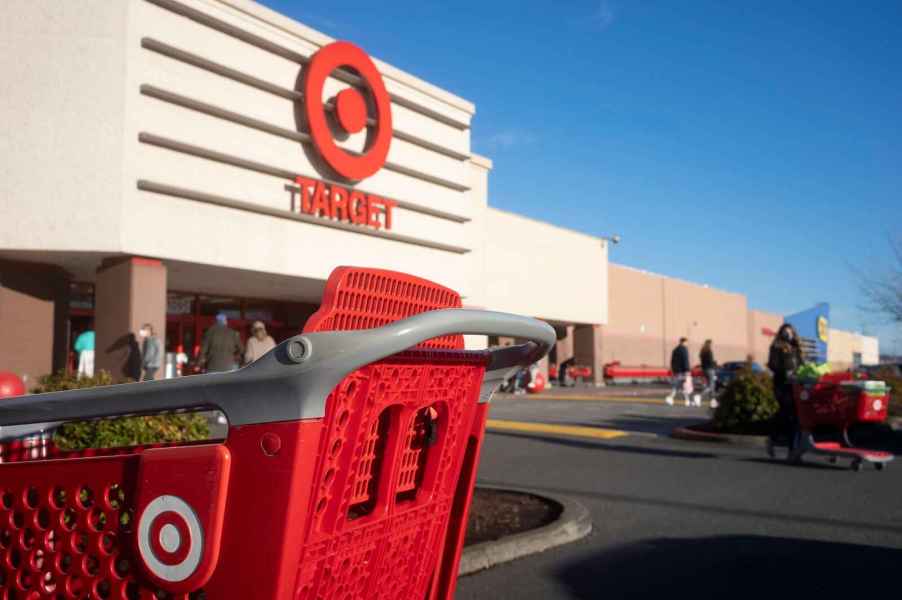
{"x": 755, "y": 148}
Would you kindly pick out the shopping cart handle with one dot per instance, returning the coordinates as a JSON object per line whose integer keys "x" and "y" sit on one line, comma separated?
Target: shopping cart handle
{"x": 293, "y": 380}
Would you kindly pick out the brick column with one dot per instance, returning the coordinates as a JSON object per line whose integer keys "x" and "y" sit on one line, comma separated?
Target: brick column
{"x": 587, "y": 349}
{"x": 129, "y": 292}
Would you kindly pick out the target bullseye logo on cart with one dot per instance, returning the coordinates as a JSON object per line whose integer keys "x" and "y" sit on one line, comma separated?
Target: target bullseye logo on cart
{"x": 170, "y": 538}
{"x": 351, "y": 110}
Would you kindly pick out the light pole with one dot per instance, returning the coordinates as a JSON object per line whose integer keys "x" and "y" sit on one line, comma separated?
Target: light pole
{"x": 613, "y": 239}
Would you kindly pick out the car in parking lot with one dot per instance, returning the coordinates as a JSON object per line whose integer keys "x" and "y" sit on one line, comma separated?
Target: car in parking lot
{"x": 728, "y": 370}
{"x": 876, "y": 371}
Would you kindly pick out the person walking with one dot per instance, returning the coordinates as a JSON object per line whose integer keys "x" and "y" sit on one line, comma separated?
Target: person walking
{"x": 709, "y": 367}
{"x": 84, "y": 346}
{"x": 258, "y": 344}
{"x": 682, "y": 373}
{"x": 784, "y": 358}
{"x": 151, "y": 352}
{"x": 221, "y": 346}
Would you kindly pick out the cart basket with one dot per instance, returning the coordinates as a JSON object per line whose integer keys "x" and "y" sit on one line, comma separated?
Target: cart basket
{"x": 347, "y": 471}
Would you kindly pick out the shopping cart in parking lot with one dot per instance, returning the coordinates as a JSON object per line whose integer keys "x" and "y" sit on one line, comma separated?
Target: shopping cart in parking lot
{"x": 830, "y": 406}
{"x": 347, "y": 471}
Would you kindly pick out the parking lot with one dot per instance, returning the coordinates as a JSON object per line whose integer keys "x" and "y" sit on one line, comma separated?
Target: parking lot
{"x": 673, "y": 517}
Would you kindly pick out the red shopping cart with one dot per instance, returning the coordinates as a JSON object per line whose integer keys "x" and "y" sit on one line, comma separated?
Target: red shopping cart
{"x": 834, "y": 403}
{"x": 347, "y": 471}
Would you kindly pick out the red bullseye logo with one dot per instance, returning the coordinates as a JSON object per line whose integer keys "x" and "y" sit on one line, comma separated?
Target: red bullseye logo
{"x": 351, "y": 111}
{"x": 170, "y": 539}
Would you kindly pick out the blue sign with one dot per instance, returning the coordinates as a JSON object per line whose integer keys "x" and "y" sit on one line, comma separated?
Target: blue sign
{"x": 813, "y": 326}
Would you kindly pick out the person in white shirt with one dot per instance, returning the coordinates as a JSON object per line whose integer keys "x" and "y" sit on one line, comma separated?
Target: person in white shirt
{"x": 258, "y": 344}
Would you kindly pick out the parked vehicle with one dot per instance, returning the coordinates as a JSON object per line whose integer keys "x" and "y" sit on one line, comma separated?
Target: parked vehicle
{"x": 727, "y": 371}
{"x": 875, "y": 370}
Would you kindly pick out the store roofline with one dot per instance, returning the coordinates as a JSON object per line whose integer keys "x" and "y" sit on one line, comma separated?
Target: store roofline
{"x": 297, "y": 29}
{"x": 546, "y": 223}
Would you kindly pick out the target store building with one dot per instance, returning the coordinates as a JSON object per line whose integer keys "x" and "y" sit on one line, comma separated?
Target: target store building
{"x": 167, "y": 160}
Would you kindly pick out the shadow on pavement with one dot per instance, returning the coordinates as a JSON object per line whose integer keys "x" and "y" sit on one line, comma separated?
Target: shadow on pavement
{"x": 809, "y": 462}
{"x": 657, "y": 424}
{"x": 732, "y": 566}
{"x": 601, "y": 445}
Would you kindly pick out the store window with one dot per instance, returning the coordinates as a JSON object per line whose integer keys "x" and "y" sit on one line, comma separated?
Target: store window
{"x": 81, "y": 296}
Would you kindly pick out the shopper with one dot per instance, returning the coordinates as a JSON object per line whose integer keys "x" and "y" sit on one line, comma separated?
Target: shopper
{"x": 709, "y": 367}
{"x": 84, "y": 346}
{"x": 133, "y": 362}
{"x": 221, "y": 347}
{"x": 258, "y": 344}
{"x": 151, "y": 352}
{"x": 682, "y": 373}
{"x": 563, "y": 372}
{"x": 784, "y": 358}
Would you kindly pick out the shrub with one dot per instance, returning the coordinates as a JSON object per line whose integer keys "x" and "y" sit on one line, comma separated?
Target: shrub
{"x": 120, "y": 431}
{"x": 747, "y": 404}
{"x": 59, "y": 382}
{"x": 132, "y": 431}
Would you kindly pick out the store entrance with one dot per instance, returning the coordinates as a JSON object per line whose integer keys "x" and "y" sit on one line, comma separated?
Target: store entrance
{"x": 189, "y": 316}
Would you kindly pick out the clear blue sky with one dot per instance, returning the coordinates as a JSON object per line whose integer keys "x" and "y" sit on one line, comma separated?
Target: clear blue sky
{"x": 755, "y": 148}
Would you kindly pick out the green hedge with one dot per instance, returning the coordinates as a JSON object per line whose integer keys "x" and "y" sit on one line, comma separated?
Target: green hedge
{"x": 120, "y": 431}
{"x": 747, "y": 404}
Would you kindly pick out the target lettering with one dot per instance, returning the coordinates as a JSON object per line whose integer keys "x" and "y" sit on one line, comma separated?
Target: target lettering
{"x": 320, "y": 199}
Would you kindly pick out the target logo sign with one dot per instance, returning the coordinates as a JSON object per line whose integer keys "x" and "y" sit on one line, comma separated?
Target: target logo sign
{"x": 170, "y": 539}
{"x": 351, "y": 109}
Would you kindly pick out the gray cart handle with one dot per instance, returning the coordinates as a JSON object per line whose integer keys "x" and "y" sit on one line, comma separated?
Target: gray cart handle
{"x": 293, "y": 380}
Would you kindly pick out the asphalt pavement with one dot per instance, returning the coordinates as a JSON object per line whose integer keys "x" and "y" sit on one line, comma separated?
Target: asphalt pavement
{"x": 685, "y": 518}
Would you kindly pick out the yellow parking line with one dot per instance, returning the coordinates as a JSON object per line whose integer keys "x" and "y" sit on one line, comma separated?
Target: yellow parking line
{"x": 571, "y": 430}
{"x": 587, "y": 398}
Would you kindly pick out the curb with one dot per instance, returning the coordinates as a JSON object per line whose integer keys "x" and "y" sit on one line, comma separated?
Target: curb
{"x": 748, "y": 441}
{"x": 574, "y": 524}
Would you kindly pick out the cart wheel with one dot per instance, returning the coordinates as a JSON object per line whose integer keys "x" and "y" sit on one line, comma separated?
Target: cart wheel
{"x": 879, "y": 466}
{"x": 856, "y": 465}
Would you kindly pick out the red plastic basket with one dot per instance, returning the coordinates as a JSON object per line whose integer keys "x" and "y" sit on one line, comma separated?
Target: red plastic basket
{"x": 835, "y": 401}
{"x": 366, "y": 499}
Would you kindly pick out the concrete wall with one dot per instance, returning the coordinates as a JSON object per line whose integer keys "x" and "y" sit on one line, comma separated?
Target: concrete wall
{"x": 257, "y": 242}
{"x": 649, "y": 313}
{"x": 541, "y": 270}
{"x": 843, "y": 345}
{"x": 762, "y": 328}
{"x": 62, "y": 109}
{"x": 71, "y": 173}
{"x": 33, "y": 320}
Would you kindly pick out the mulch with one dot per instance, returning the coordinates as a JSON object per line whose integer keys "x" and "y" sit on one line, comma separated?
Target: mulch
{"x": 498, "y": 513}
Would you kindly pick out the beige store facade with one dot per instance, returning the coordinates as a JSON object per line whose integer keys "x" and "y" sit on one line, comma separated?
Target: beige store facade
{"x": 648, "y": 313}
{"x": 152, "y": 156}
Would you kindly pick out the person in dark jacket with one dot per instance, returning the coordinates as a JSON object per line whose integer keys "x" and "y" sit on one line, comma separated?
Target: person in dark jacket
{"x": 681, "y": 370}
{"x": 221, "y": 347}
{"x": 709, "y": 367}
{"x": 784, "y": 358}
